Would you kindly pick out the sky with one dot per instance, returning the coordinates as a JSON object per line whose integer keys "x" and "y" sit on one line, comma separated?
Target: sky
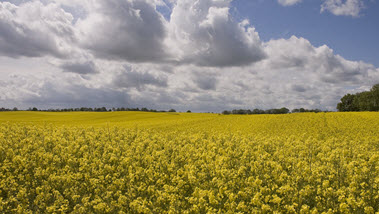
{"x": 202, "y": 55}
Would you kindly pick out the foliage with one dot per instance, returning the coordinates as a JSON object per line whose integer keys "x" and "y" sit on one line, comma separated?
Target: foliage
{"x": 364, "y": 101}
{"x": 302, "y": 110}
{"x": 85, "y": 109}
{"x": 257, "y": 111}
{"x": 136, "y": 162}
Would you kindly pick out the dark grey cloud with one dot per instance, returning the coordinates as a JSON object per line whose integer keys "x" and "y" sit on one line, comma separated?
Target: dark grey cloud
{"x": 139, "y": 80}
{"x": 80, "y": 67}
{"x": 54, "y": 96}
{"x": 205, "y": 82}
{"x": 299, "y": 88}
{"x": 335, "y": 69}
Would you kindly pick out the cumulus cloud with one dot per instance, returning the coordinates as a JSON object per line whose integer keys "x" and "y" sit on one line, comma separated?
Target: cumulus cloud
{"x": 205, "y": 34}
{"x": 289, "y": 2}
{"x": 343, "y": 7}
{"x": 34, "y": 30}
{"x": 124, "y": 30}
{"x": 300, "y": 55}
{"x": 199, "y": 32}
{"x": 297, "y": 74}
{"x": 49, "y": 88}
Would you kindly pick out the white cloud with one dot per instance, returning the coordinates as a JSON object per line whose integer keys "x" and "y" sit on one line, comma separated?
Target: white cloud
{"x": 299, "y": 74}
{"x": 299, "y": 54}
{"x": 289, "y": 2}
{"x": 343, "y": 7}
{"x": 337, "y": 7}
{"x": 199, "y": 32}
{"x": 34, "y": 30}
{"x": 205, "y": 34}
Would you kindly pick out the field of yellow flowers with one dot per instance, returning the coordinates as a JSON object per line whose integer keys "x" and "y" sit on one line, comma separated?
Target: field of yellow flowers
{"x": 136, "y": 162}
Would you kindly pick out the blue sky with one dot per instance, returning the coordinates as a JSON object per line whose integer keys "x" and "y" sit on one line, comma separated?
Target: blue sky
{"x": 355, "y": 38}
{"x": 202, "y": 55}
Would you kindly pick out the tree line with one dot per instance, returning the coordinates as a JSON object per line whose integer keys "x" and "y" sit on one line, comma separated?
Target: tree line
{"x": 8, "y": 109}
{"x": 226, "y": 112}
{"x": 269, "y": 111}
{"x": 363, "y": 101}
{"x": 86, "y": 109}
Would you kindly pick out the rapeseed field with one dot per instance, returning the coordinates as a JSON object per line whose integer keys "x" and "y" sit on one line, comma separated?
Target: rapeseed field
{"x": 136, "y": 162}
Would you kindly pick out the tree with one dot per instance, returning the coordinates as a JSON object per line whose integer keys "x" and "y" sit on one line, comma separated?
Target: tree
{"x": 172, "y": 110}
{"x": 375, "y": 97}
{"x": 258, "y": 111}
{"x": 363, "y": 101}
{"x": 284, "y": 110}
{"x": 189, "y": 111}
{"x": 347, "y": 103}
{"x": 226, "y": 112}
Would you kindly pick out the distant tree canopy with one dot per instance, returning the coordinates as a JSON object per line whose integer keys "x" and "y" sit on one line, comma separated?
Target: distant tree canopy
{"x": 270, "y": 111}
{"x": 258, "y": 111}
{"x": 301, "y": 110}
{"x": 86, "y": 109}
{"x": 363, "y": 101}
{"x": 7, "y": 109}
